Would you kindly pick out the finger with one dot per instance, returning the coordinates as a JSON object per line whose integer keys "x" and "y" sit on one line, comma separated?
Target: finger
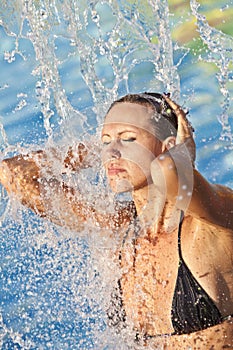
{"x": 176, "y": 108}
{"x": 185, "y": 128}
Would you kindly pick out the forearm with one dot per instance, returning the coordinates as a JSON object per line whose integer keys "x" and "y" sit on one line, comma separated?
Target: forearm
{"x": 30, "y": 180}
{"x": 21, "y": 174}
{"x": 62, "y": 204}
{"x": 218, "y": 337}
{"x": 173, "y": 176}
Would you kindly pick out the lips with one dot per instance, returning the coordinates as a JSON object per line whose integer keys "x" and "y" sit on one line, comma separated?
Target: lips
{"x": 115, "y": 170}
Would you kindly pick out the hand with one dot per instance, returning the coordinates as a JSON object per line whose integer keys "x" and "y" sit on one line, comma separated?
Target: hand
{"x": 75, "y": 157}
{"x": 185, "y": 130}
{"x": 19, "y": 175}
{"x": 82, "y": 156}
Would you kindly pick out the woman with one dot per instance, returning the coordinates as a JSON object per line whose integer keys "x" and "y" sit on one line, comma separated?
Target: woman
{"x": 175, "y": 255}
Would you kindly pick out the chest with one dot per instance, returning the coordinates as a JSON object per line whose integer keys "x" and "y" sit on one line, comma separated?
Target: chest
{"x": 149, "y": 273}
{"x": 157, "y": 259}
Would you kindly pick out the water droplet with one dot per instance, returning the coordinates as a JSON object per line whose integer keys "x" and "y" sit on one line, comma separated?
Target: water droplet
{"x": 9, "y": 56}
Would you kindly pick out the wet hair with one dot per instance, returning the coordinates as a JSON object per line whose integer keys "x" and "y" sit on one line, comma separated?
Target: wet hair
{"x": 164, "y": 120}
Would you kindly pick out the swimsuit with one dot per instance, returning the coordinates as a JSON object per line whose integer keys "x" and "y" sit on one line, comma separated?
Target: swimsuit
{"x": 192, "y": 308}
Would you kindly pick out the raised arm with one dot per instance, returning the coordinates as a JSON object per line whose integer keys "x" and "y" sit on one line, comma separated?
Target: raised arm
{"x": 184, "y": 185}
{"x": 30, "y": 179}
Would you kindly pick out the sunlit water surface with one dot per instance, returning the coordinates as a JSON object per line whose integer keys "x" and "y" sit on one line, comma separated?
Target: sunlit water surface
{"x": 61, "y": 65}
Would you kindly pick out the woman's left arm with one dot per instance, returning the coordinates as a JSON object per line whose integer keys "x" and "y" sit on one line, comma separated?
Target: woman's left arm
{"x": 176, "y": 177}
{"x": 217, "y": 337}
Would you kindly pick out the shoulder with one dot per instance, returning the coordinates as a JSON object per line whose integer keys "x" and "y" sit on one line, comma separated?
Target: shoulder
{"x": 205, "y": 244}
{"x": 200, "y": 226}
{"x": 223, "y": 191}
{"x": 206, "y": 236}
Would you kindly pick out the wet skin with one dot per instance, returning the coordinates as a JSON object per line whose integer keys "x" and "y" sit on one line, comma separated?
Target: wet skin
{"x": 163, "y": 181}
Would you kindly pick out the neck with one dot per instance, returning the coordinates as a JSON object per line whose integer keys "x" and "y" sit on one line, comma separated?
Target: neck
{"x": 154, "y": 210}
{"x": 148, "y": 200}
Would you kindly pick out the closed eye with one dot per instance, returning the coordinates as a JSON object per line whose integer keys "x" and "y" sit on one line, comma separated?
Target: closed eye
{"x": 106, "y": 140}
{"x": 130, "y": 139}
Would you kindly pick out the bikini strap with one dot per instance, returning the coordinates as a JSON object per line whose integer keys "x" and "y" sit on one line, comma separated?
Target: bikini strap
{"x": 179, "y": 233}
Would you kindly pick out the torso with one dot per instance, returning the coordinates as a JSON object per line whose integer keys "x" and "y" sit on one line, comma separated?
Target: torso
{"x": 150, "y": 268}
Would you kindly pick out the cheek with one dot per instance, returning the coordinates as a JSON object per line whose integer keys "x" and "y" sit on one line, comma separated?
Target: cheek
{"x": 103, "y": 156}
{"x": 140, "y": 156}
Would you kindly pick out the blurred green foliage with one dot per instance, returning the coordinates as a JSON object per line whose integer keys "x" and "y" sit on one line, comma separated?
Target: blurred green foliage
{"x": 219, "y": 15}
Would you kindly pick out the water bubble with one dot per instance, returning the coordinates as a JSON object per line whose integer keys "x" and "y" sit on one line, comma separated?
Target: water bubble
{"x": 21, "y": 105}
{"x": 102, "y": 50}
{"x": 164, "y": 283}
{"x": 95, "y": 17}
{"x": 9, "y": 56}
{"x": 43, "y": 13}
{"x": 224, "y": 8}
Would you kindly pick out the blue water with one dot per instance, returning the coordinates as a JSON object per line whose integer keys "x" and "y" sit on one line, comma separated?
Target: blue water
{"x": 48, "y": 285}
{"x": 38, "y": 287}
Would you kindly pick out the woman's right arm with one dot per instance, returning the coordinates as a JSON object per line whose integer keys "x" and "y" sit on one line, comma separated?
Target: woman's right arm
{"x": 23, "y": 176}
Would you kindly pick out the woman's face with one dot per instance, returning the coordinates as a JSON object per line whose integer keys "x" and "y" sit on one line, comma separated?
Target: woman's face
{"x": 129, "y": 146}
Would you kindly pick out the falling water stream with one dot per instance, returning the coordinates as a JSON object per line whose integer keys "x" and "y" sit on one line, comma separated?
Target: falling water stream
{"x": 62, "y": 64}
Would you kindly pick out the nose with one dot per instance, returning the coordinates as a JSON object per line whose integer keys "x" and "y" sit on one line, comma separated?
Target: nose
{"x": 115, "y": 153}
{"x": 111, "y": 151}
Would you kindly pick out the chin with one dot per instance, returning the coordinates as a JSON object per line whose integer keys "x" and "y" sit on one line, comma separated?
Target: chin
{"x": 121, "y": 186}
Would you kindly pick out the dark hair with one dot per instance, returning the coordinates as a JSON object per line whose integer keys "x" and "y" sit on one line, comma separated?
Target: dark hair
{"x": 162, "y": 112}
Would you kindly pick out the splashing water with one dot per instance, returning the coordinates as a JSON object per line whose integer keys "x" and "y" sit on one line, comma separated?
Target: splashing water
{"x": 69, "y": 59}
{"x": 221, "y": 54}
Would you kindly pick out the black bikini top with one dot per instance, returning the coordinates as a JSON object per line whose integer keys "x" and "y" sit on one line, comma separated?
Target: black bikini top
{"x": 192, "y": 308}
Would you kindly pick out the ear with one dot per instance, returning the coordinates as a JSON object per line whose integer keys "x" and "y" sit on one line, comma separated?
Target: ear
{"x": 168, "y": 143}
